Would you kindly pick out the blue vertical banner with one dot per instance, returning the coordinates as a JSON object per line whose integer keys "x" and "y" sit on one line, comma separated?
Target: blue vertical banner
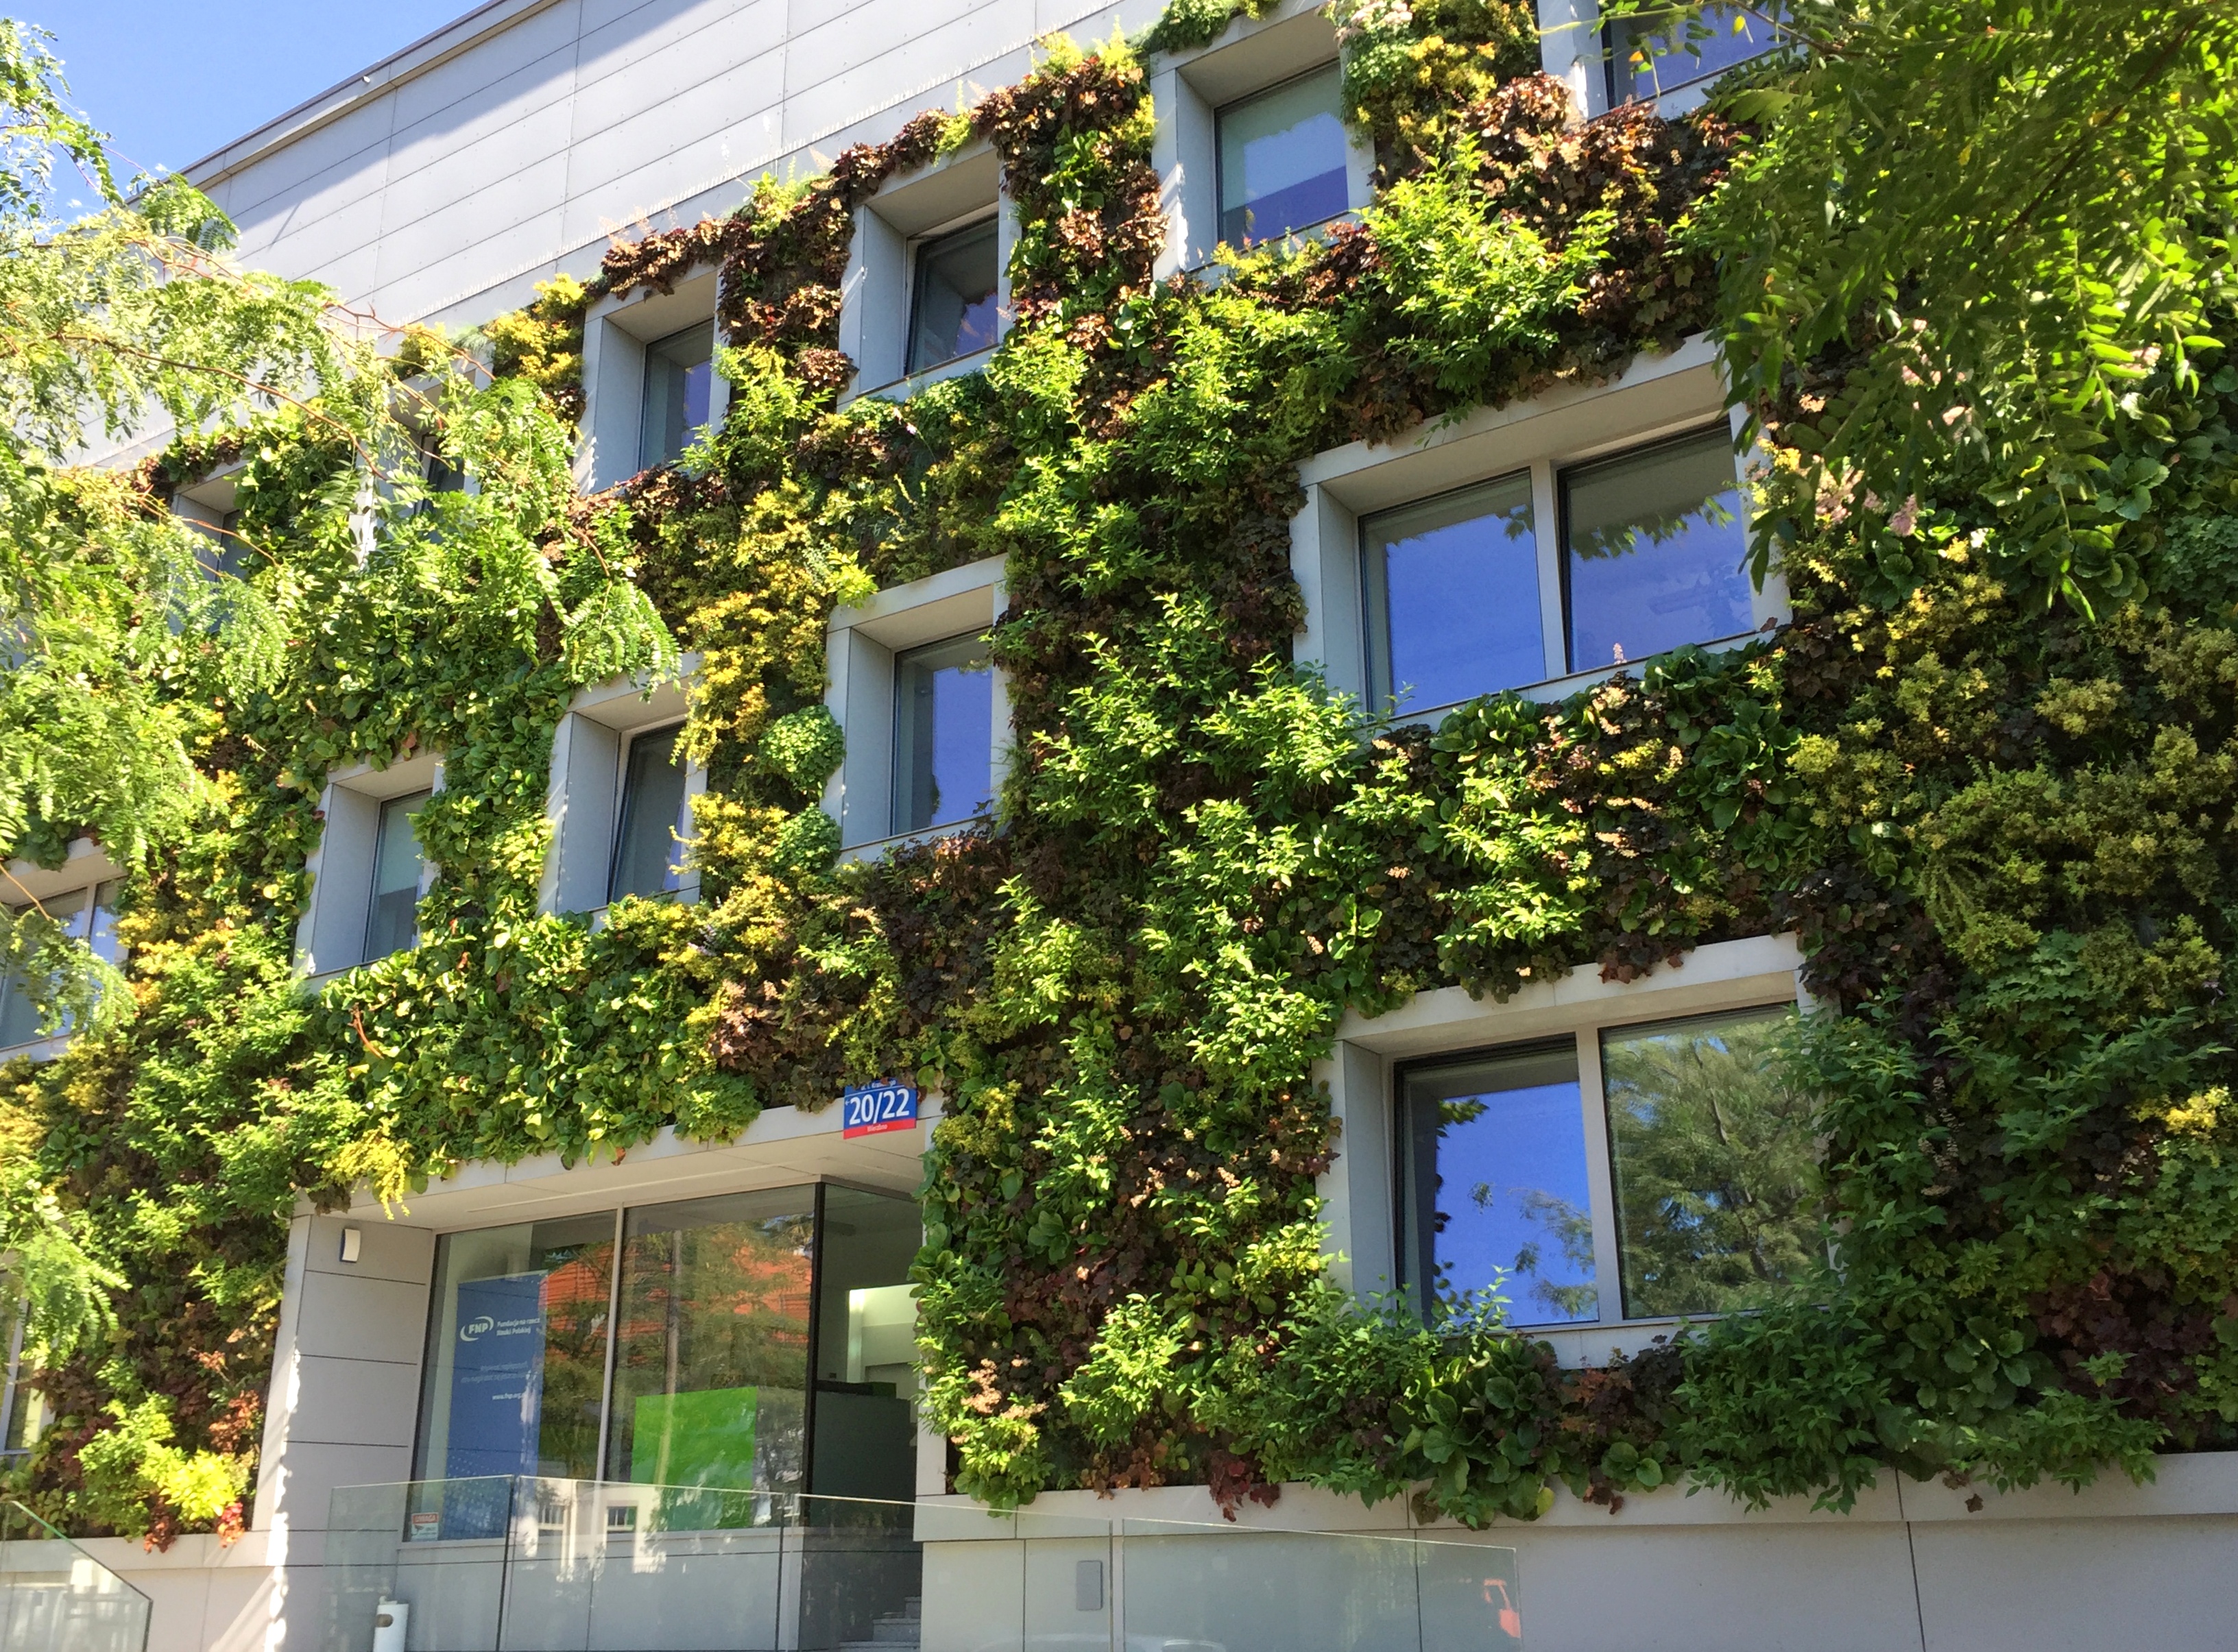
{"x": 497, "y": 1376}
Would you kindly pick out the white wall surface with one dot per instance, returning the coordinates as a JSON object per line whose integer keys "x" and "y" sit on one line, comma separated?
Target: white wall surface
{"x": 448, "y": 179}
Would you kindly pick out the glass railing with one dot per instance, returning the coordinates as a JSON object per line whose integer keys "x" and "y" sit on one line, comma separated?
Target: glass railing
{"x": 537, "y": 1565}
{"x": 54, "y": 1596}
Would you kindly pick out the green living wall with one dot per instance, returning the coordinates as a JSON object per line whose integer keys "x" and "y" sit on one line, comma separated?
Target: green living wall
{"x": 1991, "y": 788}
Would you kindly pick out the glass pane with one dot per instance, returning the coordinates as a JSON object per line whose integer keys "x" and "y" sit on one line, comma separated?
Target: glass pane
{"x": 1653, "y": 554}
{"x": 516, "y": 1356}
{"x": 943, "y": 734}
{"x": 866, "y": 1347}
{"x": 19, "y": 1015}
{"x": 1496, "y": 1194}
{"x": 654, "y": 816}
{"x": 1714, "y": 1158}
{"x": 1728, "y": 35}
{"x": 1453, "y": 597}
{"x": 954, "y": 310}
{"x": 679, "y": 384}
{"x": 1282, "y": 160}
{"x": 711, "y": 1370}
{"x": 392, "y": 924}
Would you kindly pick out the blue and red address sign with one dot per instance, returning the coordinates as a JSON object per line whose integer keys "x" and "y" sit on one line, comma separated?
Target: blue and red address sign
{"x": 873, "y": 1109}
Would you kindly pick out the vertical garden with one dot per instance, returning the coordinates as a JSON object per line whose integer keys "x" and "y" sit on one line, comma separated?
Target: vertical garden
{"x": 1971, "y": 289}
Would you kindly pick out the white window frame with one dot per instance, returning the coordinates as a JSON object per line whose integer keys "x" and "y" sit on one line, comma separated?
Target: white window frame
{"x": 860, "y": 647}
{"x": 1360, "y": 1190}
{"x": 1188, "y": 89}
{"x": 330, "y": 938}
{"x": 1658, "y": 397}
{"x": 590, "y": 760}
{"x": 85, "y": 866}
{"x": 615, "y": 335}
{"x": 879, "y": 293}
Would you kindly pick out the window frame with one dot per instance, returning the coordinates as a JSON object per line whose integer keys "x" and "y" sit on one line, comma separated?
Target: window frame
{"x": 972, "y": 223}
{"x": 878, "y": 293}
{"x": 584, "y": 795}
{"x": 618, "y": 334}
{"x": 330, "y": 937}
{"x": 1666, "y": 395}
{"x": 861, "y": 647}
{"x": 1188, "y": 89}
{"x": 622, "y": 806}
{"x": 1221, "y": 116}
{"x": 1363, "y": 1192}
{"x": 87, "y": 872}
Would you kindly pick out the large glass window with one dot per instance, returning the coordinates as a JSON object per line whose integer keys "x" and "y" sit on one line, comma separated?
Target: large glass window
{"x": 711, "y": 1361}
{"x": 867, "y": 1360}
{"x": 680, "y": 387}
{"x": 943, "y": 734}
{"x": 1652, "y": 548}
{"x": 1282, "y": 160}
{"x": 654, "y": 815}
{"x": 953, "y": 311}
{"x": 1715, "y": 1162}
{"x": 1646, "y": 60}
{"x": 392, "y": 920}
{"x": 1496, "y": 1193}
{"x": 83, "y": 915}
{"x": 516, "y": 1359}
{"x": 1707, "y": 1203}
{"x": 1452, "y": 586}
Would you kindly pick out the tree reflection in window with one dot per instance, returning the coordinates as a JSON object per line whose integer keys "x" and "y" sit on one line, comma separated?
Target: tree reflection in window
{"x": 1714, "y": 1161}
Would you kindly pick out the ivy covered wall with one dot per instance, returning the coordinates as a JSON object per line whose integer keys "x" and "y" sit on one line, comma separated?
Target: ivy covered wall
{"x": 1995, "y": 807}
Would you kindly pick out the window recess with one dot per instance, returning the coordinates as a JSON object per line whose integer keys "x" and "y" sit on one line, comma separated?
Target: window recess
{"x": 621, "y": 798}
{"x": 927, "y": 291}
{"x": 87, "y": 914}
{"x": 369, "y": 873}
{"x": 649, "y": 374}
{"x": 1651, "y": 59}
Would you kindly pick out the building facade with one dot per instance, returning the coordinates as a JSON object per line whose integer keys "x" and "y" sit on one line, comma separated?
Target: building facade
{"x": 721, "y": 1306}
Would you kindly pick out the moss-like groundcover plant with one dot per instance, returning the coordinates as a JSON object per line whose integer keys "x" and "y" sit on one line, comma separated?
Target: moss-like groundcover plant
{"x": 1988, "y": 775}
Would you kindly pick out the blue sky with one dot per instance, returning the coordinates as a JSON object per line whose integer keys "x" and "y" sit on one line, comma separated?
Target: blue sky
{"x": 172, "y": 80}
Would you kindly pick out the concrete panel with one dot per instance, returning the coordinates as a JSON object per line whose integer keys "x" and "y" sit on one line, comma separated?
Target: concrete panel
{"x": 475, "y": 86}
{"x": 1793, "y": 1587}
{"x": 376, "y": 1320}
{"x": 387, "y": 1250}
{"x": 974, "y": 1595}
{"x": 303, "y": 1480}
{"x": 354, "y": 1402}
{"x": 621, "y": 76}
{"x": 2077, "y": 1585}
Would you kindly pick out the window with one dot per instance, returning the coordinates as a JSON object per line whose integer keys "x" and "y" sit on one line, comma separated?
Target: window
{"x": 679, "y": 386}
{"x": 392, "y": 917}
{"x": 655, "y": 814}
{"x": 515, "y": 1370}
{"x": 227, "y": 557}
{"x": 711, "y": 1370}
{"x": 922, "y": 707}
{"x": 943, "y": 734}
{"x": 1708, "y": 1202}
{"x": 1645, "y": 61}
{"x": 673, "y": 1345}
{"x": 954, "y": 309}
{"x": 1652, "y": 544}
{"x": 1460, "y": 595}
{"x": 1452, "y": 596}
{"x": 86, "y": 914}
{"x": 368, "y": 871}
{"x": 1282, "y": 160}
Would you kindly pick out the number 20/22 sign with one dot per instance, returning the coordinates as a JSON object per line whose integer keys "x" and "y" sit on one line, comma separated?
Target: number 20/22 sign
{"x": 873, "y": 1109}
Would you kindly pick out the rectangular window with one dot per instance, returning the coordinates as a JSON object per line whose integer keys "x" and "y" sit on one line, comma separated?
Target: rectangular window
{"x": 1496, "y": 1195}
{"x": 1652, "y": 543}
{"x": 1715, "y": 1162}
{"x": 654, "y": 815}
{"x": 679, "y": 386}
{"x": 83, "y": 915}
{"x": 711, "y": 1362}
{"x": 953, "y": 310}
{"x": 1645, "y": 61}
{"x": 1283, "y": 159}
{"x": 227, "y": 557}
{"x": 1452, "y": 588}
{"x": 393, "y": 920}
{"x": 1709, "y": 1199}
{"x": 516, "y": 1361}
{"x": 943, "y": 734}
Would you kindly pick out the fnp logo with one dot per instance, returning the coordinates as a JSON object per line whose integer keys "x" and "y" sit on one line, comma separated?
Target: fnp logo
{"x": 475, "y": 1329}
